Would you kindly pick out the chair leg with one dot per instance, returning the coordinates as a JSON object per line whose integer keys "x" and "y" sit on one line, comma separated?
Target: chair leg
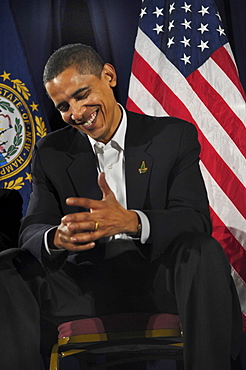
{"x": 54, "y": 358}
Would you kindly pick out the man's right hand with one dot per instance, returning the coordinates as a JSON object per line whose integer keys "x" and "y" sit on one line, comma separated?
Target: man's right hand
{"x": 79, "y": 231}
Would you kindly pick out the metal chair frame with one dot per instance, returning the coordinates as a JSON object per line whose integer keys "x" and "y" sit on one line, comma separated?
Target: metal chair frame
{"x": 119, "y": 347}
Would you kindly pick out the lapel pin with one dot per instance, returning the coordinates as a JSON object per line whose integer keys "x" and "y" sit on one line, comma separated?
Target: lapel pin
{"x": 143, "y": 168}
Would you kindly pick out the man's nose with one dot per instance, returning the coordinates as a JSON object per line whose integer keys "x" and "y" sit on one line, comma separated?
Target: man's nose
{"x": 77, "y": 110}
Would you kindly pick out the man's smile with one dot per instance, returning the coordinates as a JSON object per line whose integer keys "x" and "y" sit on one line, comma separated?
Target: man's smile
{"x": 87, "y": 122}
{"x": 90, "y": 120}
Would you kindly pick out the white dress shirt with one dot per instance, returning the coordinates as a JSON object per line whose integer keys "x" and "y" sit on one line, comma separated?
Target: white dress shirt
{"x": 111, "y": 161}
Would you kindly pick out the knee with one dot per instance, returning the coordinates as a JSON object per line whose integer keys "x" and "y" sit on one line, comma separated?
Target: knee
{"x": 7, "y": 256}
{"x": 27, "y": 265}
{"x": 197, "y": 240}
{"x": 201, "y": 245}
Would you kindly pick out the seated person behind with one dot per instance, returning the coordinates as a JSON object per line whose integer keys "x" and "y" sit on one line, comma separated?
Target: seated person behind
{"x": 11, "y": 214}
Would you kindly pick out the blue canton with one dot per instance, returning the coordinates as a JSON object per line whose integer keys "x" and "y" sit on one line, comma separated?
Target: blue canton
{"x": 186, "y": 32}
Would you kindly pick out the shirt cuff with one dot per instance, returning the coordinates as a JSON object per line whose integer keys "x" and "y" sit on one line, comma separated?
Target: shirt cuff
{"x": 46, "y": 244}
{"x": 145, "y": 226}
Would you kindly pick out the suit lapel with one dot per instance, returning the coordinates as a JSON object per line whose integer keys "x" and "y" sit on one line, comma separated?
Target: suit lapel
{"x": 137, "y": 180}
{"x": 82, "y": 169}
{"x": 138, "y": 162}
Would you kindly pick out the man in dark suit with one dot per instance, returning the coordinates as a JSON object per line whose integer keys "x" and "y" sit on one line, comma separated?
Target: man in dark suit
{"x": 119, "y": 218}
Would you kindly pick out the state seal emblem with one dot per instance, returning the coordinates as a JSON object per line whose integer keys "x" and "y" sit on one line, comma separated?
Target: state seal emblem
{"x": 20, "y": 123}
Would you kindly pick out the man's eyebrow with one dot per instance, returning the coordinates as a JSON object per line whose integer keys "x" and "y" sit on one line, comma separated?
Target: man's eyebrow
{"x": 82, "y": 89}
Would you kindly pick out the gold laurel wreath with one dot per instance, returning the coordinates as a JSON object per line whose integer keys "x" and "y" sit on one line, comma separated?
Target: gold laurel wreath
{"x": 21, "y": 88}
{"x": 14, "y": 184}
{"x": 41, "y": 129}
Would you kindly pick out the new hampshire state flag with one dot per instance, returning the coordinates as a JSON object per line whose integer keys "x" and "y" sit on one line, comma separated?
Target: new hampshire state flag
{"x": 21, "y": 120}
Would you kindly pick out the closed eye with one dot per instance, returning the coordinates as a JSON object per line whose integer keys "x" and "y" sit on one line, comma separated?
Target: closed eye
{"x": 79, "y": 94}
{"x": 62, "y": 107}
{"x": 82, "y": 96}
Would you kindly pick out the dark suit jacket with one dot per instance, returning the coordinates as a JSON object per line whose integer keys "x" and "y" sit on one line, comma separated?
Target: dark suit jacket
{"x": 171, "y": 192}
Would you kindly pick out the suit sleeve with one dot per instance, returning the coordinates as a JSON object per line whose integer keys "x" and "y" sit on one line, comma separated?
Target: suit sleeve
{"x": 185, "y": 207}
{"x": 44, "y": 212}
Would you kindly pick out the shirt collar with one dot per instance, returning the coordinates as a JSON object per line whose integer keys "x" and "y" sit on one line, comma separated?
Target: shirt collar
{"x": 119, "y": 136}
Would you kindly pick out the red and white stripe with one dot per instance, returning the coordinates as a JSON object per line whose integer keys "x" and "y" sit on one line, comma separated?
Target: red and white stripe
{"x": 213, "y": 99}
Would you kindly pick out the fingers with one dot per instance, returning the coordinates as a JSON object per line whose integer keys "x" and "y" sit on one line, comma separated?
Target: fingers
{"x": 78, "y": 228}
{"x": 82, "y": 221}
{"x": 74, "y": 245}
{"x": 94, "y": 204}
{"x": 83, "y": 202}
{"x": 78, "y": 231}
{"x": 78, "y": 239}
{"x": 73, "y": 237}
{"x": 90, "y": 203}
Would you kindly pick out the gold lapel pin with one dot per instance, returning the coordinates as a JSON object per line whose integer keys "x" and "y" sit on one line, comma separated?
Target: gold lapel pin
{"x": 143, "y": 168}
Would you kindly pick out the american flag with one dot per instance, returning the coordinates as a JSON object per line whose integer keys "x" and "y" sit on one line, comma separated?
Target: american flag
{"x": 183, "y": 66}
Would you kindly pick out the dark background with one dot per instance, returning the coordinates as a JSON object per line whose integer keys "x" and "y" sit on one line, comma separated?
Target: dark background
{"x": 109, "y": 26}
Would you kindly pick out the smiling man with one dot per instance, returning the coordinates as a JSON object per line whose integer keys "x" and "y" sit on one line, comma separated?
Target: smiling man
{"x": 86, "y": 102}
{"x": 119, "y": 220}
{"x": 98, "y": 115}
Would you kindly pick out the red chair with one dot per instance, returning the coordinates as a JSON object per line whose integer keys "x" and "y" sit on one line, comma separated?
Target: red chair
{"x": 119, "y": 339}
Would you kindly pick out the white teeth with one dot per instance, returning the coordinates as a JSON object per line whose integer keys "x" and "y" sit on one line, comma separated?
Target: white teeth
{"x": 90, "y": 121}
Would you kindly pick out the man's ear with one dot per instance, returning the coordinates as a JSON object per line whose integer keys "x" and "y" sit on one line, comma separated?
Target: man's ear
{"x": 109, "y": 73}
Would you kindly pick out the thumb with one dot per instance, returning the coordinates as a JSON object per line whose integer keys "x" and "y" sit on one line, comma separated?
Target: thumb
{"x": 104, "y": 185}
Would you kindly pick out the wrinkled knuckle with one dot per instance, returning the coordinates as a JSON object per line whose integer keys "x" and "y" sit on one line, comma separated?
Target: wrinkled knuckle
{"x": 74, "y": 247}
{"x": 71, "y": 227}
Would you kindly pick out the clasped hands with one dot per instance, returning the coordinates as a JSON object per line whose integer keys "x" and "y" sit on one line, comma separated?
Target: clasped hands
{"x": 78, "y": 231}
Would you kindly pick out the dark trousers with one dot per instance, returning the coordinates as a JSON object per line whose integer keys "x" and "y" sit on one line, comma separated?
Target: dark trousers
{"x": 191, "y": 278}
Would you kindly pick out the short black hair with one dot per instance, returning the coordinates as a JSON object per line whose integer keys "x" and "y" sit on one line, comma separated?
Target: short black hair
{"x": 83, "y": 57}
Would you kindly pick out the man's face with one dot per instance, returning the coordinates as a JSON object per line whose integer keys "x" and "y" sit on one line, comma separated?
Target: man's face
{"x": 87, "y": 102}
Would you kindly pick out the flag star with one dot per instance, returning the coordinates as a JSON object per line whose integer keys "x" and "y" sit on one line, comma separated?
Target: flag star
{"x": 203, "y": 45}
{"x": 186, "y": 24}
{"x": 143, "y": 12}
{"x": 170, "y": 42}
{"x": 221, "y": 31}
{"x": 158, "y": 28}
{"x": 158, "y": 11}
{"x": 204, "y": 10}
{"x": 186, "y": 59}
{"x": 218, "y": 15}
{"x": 203, "y": 28}
{"x": 171, "y": 25}
{"x": 186, "y": 7}
{"x": 186, "y": 42}
{"x": 171, "y": 8}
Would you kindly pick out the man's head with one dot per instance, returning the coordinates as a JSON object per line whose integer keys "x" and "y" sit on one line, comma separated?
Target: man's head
{"x": 80, "y": 86}
{"x": 83, "y": 57}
